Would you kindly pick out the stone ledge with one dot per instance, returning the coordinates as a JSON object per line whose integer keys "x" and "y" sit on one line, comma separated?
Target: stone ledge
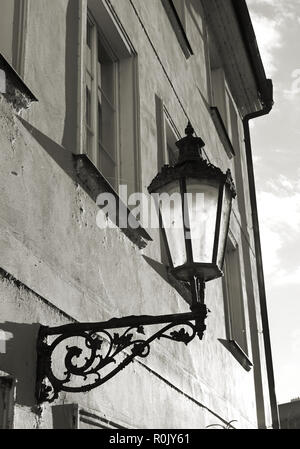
{"x": 94, "y": 183}
{"x": 238, "y": 353}
{"x": 13, "y": 88}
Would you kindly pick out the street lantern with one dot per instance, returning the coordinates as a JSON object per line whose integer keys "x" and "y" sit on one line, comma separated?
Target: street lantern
{"x": 194, "y": 199}
{"x": 194, "y": 217}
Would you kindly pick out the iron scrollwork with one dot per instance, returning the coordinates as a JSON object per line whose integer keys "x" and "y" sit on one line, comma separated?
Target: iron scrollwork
{"x": 102, "y": 352}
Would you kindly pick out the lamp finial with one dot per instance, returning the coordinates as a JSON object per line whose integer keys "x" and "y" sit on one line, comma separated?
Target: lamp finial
{"x": 189, "y": 130}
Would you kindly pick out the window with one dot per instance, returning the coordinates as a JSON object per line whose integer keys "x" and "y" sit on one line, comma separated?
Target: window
{"x": 223, "y": 109}
{"x": 218, "y": 93}
{"x": 233, "y": 127}
{"x": 171, "y": 138}
{"x": 108, "y": 112}
{"x": 101, "y": 95}
{"x": 73, "y": 416}
{"x": 12, "y": 26}
{"x": 167, "y": 136}
{"x": 221, "y": 97}
{"x": 7, "y": 393}
{"x": 233, "y": 298}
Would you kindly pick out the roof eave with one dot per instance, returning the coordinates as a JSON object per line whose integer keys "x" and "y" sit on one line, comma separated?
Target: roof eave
{"x": 264, "y": 84}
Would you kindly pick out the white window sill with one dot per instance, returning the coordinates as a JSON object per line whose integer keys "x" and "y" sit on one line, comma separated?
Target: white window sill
{"x": 95, "y": 183}
{"x": 238, "y": 353}
{"x": 13, "y": 87}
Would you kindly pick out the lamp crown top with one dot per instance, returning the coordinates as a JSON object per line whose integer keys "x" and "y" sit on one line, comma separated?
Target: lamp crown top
{"x": 189, "y": 130}
{"x": 189, "y": 146}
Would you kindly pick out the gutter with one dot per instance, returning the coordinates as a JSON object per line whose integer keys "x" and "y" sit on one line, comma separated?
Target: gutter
{"x": 259, "y": 264}
{"x": 265, "y": 93}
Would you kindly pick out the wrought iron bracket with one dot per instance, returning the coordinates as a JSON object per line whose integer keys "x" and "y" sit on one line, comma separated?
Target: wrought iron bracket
{"x": 95, "y": 354}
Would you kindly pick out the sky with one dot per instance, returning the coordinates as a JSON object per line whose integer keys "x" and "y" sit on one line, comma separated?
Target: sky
{"x": 275, "y": 146}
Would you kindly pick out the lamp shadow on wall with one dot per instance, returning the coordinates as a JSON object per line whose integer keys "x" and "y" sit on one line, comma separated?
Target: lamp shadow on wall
{"x": 163, "y": 271}
{"x": 18, "y": 358}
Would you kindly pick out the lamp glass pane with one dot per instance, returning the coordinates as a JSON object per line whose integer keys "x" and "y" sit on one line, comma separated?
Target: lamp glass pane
{"x": 202, "y": 202}
{"x": 225, "y": 216}
{"x": 171, "y": 214}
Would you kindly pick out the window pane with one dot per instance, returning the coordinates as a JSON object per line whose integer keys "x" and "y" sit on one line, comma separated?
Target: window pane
{"x": 171, "y": 213}
{"x": 89, "y": 28}
{"x": 88, "y": 114}
{"x": 88, "y": 107}
{"x": 218, "y": 87}
{"x": 89, "y": 79}
{"x": 7, "y": 10}
{"x": 106, "y": 129}
{"x": 108, "y": 167}
{"x": 89, "y": 142}
{"x": 101, "y": 103}
{"x": 105, "y": 72}
{"x": 202, "y": 205}
{"x": 234, "y": 297}
{"x": 100, "y": 122}
{"x": 171, "y": 139}
{"x": 7, "y": 387}
{"x": 106, "y": 113}
{"x": 89, "y": 31}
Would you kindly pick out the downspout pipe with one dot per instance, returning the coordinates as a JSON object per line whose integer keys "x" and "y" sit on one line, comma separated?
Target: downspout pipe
{"x": 267, "y": 101}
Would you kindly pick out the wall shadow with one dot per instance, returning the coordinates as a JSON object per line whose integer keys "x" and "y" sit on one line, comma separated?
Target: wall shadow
{"x": 63, "y": 157}
{"x": 164, "y": 273}
{"x": 18, "y": 359}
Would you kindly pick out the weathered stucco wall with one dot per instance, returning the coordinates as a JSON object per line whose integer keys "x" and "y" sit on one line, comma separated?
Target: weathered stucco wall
{"x": 50, "y": 243}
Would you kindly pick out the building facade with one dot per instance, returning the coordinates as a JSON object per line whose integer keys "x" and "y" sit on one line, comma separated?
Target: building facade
{"x": 95, "y": 93}
{"x": 289, "y": 413}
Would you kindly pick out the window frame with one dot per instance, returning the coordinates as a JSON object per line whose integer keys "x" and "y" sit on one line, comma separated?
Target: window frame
{"x": 222, "y": 105}
{"x": 8, "y": 394}
{"x": 127, "y": 133}
{"x": 95, "y": 85}
{"x": 220, "y": 98}
{"x": 172, "y": 136}
{"x": 71, "y": 416}
{"x": 18, "y": 34}
{"x": 166, "y": 132}
{"x": 230, "y": 296}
